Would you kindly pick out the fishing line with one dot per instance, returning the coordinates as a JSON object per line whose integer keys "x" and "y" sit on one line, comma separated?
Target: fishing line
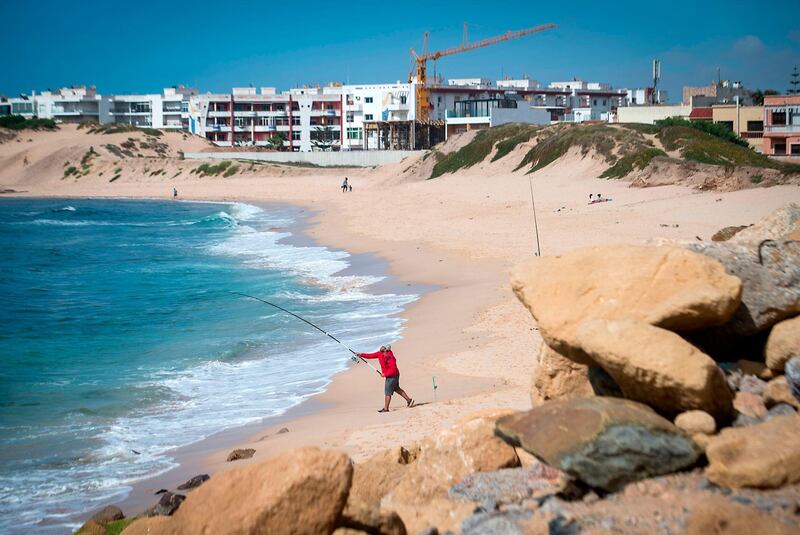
{"x": 326, "y": 333}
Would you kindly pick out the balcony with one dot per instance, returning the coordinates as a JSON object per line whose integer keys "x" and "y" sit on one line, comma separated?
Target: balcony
{"x": 398, "y": 106}
{"x": 782, "y": 128}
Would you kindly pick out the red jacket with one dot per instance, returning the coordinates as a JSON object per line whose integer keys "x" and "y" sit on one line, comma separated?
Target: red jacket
{"x": 387, "y": 361}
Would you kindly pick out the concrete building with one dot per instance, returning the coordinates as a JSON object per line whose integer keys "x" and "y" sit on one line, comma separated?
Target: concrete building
{"x": 169, "y": 109}
{"x": 722, "y": 92}
{"x": 23, "y": 106}
{"x": 475, "y": 114}
{"x": 375, "y": 112}
{"x": 301, "y": 119}
{"x": 782, "y": 127}
{"x": 70, "y": 105}
{"x": 643, "y": 96}
{"x": 524, "y": 84}
{"x": 651, "y": 114}
{"x": 746, "y": 121}
{"x": 469, "y": 82}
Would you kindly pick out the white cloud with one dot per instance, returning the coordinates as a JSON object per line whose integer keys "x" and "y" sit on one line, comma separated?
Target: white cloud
{"x": 749, "y": 45}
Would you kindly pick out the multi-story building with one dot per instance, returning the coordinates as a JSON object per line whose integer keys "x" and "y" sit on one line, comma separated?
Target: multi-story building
{"x": 166, "y": 110}
{"x": 474, "y": 114}
{"x": 745, "y": 121}
{"x": 70, "y": 105}
{"x": 23, "y": 106}
{"x": 644, "y": 96}
{"x": 525, "y": 84}
{"x": 782, "y": 126}
{"x": 371, "y": 110}
{"x": 301, "y": 119}
{"x": 721, "y": 92}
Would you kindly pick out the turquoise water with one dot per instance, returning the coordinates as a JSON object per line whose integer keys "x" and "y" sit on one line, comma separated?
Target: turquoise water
{"x": 118, "y": 335}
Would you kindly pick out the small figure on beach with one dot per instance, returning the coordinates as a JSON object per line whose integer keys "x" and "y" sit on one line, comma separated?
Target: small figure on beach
{"x": 351, "y": 188}
{"x": 345, "y": 185}
{"x": 391, "y": 375}
{"x": 174, "y": 193}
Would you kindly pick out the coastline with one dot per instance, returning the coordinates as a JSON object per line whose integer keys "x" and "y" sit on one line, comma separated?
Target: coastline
{"x": 469, "y": 330}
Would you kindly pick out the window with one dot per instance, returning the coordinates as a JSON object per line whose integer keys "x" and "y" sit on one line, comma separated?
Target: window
{"x": 367, "y": 116}
{"x": 727, "y": 124}
{"x": 795, "y": 149}
{"x": 296, "y": 121}
{"x": 296, "y": 135}
{"x": 355, "y": 133}
{"x": 368, "y": 100}
{"x": 604, "y": 102}
{"x": 780, "y": 148}
{"x": 595, "y": 102}
{"x": 779, "y": 118}
{"x": 403, "y": 99}
{"x": 755, "y": 126}
{"x": 350, "y": 117}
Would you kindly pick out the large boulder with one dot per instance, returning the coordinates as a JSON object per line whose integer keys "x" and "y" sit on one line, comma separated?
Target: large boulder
{"x": 302, "y": 491}
{"x": 765, "y": 455}
{"x": 782, "y": 224}
{"x": 665, "y": 286}
{"x": 445, "y": 458}
{"x": 656, "y": 367}
{"x": 377, "y": 476}
{"x": 195, "y": 482}
{"x": 716, "y": 515}
{"x": 107, "y": 514}
{"x": 604, "y": 442}
{"x": 770, "y": 275}
{"x": 557, "y": 377}
{"x": 167, "y": 504}
{"x": 783, "y": 343}
{"x": 240, "y": 453}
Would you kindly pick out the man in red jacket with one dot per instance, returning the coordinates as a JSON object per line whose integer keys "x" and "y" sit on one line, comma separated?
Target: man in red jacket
{"x": 391, "y": 373}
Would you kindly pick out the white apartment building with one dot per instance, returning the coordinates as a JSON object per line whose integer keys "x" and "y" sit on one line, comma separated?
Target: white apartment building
{"x": 23, "y": 106}
{"x": 524, "y": 84}
{"x": 169, "y": 109}
{"x": 301, "y": 119}
{"x": 70, "y": 105}
{"x": 643, "y": 96}
{"x": 373, "y": 104}
{"x": 469, "y": 82}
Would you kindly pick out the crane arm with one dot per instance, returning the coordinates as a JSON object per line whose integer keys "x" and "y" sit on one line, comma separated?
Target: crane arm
{"x": 482, "y": 43}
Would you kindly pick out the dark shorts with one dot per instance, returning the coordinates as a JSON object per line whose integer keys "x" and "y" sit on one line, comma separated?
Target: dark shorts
{"x": 391, "y": 385}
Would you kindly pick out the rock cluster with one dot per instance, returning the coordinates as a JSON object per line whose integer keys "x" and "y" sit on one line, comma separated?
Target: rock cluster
{"x": 662, "y": 322}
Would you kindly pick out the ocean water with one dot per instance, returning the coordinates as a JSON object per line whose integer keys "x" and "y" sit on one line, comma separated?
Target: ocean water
{"x": 118, "y": 335}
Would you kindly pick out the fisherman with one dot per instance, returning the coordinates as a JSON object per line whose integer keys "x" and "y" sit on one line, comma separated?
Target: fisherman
{"x": 391, "y": 374}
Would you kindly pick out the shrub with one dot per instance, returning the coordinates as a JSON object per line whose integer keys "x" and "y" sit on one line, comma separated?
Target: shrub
{"x": 18, "y": 122}
{"x": 213, "y": 170}
{"x": 637, "y": 160}
{"x": 71, "y": 170}
{"x": 232, "y": 170}
{"x": 714, "y": 129}
{"x": 757, "y": 178}
{"x": 115, "y": 177}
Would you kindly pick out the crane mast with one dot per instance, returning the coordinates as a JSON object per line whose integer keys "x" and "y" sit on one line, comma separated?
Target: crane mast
{"x": 421, "y": 61}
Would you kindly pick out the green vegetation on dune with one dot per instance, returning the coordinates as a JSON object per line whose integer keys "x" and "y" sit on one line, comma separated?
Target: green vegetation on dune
{"x": 117, "y": 128}
{"x": 207, "y": 169}
{"x": 636, "y": 160}
{"x": 506, "y": 137}
{"x": 18, "y": 122}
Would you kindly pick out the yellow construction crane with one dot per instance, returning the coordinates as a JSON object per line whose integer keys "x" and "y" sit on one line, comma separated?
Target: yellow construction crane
{"x": 423, "y": 107}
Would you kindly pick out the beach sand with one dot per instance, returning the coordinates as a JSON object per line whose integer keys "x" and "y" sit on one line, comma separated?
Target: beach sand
{"x": 458, "y": 234}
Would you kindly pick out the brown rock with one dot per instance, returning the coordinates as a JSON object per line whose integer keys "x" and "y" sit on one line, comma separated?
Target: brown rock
{"x": 716, "y": 515}
{"x": 694, "y": 422}
{"x": 557, "y": 377}
{"x": 92, "y": 527}
{"x": 302, "y": 491}
{"x": 776, "y": 226}
{"x": 664, "y": 286}
{"x": 604, "y": 442}
{"x": 701, "y": 440}
{"x": 750, "y": 405}
{"x": 108, "y": 514}
{"x": 377, "y": 476}
{"x": 240, "y": 453}
{"x": 371, "y": 519}
{"x": 656, "y": 367}
{"x": 445, "y": 458}
{"x": 777, "y": 391}
{"x": 764, "y": 455}
{"x": 726, "y": 233}
{"x": 153, "y": 525}
{"x": 448, "y": 456}
{"x": 783, "y": 343}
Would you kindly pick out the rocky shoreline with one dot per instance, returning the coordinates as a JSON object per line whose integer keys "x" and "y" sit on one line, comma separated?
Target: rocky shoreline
{"x": 665, "y": 401}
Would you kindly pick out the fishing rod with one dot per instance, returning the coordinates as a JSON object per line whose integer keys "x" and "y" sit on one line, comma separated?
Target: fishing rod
{"x": 326, "y": 333}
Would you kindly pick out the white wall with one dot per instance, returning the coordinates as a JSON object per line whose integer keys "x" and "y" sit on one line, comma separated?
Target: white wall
{"x": 323, "y": 159}
{"x": 651, "y": 114}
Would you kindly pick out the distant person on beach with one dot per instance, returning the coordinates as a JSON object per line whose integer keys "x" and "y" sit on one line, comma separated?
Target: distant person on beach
{"x": 344, "y": 185}
{"x": 351, "y": 188}
{"x": 390, "y": 373}
{"x": 174, "y": 193}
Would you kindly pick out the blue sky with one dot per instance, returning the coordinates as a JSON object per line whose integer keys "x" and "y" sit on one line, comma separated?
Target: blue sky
{"x": 145, "y": 46}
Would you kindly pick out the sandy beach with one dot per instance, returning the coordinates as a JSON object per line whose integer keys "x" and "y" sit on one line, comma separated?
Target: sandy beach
{"x": 458, "y": 235}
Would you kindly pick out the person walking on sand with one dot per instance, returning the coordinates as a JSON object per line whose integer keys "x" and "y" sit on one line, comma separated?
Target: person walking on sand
{"x": 391, "y": 375}
{"x": 344, "y": 185}
{"x": 174, "y": 193}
